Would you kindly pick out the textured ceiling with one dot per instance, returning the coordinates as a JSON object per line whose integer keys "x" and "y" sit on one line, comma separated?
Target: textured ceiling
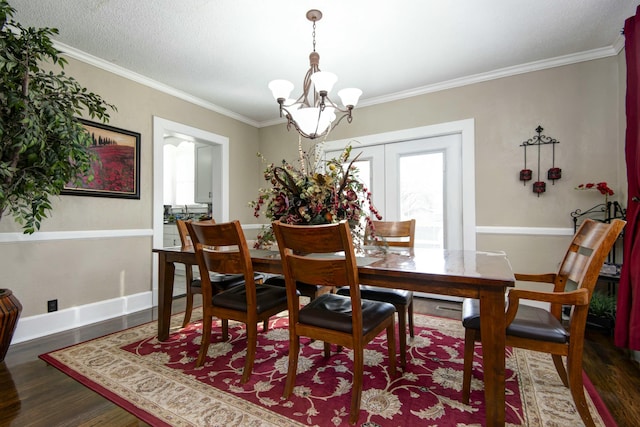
{"x": 225, "y": 52}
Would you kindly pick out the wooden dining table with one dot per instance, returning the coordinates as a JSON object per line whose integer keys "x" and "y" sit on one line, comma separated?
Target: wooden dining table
{"x": 475, "y": 274}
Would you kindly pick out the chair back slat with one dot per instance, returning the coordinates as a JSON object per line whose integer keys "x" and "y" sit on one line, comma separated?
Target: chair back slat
{"x": 324, "y": 272}
{"x": 590, "y": 233}
{"x": 317, "y": 239}
{"x": 574, "y": 268}
{"x": 393, "y": 233}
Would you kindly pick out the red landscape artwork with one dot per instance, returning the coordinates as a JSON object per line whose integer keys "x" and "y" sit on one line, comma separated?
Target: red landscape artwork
{"x": 116, "y": 171}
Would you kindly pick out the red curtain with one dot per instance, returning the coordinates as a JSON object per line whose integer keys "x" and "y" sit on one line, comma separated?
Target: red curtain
{"x": 627, "y": 331}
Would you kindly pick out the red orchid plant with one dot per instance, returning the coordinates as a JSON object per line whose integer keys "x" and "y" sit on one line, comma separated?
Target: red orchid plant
{"x": 330, "y": 192}
{"x": 602, "y": 187}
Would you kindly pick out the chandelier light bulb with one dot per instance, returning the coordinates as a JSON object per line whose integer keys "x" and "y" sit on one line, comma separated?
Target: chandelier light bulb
{"x": 323, "y": 81}
{"x": 281, "y": 89}
{"x": 307, "y": 119}
{"x": 350, "y": 96}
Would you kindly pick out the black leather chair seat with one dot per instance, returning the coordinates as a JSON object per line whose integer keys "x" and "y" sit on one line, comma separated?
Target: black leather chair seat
{"x": 235, "y": 298}
{"x": 530, "y": 322}
{"x": 222, "y": 282}
{"x": 374, "y": 293}
{"x": 304, "y": 288}
{"x": 334, "y": 312}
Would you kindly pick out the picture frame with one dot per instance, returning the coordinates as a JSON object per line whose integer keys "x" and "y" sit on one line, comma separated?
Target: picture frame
{"x": 117, "y": 173}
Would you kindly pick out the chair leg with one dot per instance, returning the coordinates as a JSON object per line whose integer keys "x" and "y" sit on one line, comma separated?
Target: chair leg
{"x": 391, "y": 339}
{"x": 294, "y": 349}
{"x": 265, "y": 325}
{"x": 469, "y": 343}
{"x": 189, "y": 308}
{"x": 574, "y": 367}
{"x": 206, "y": 339}
{"x": 557, "y": 361}
{"x": 252, "y": 338}
{"x": 402, "y": 333}
{"x": 327, "y": 349}
{"x": 410, "y": 312}
{"x": 356, "y": 388}
{"x": 225, "y": 329}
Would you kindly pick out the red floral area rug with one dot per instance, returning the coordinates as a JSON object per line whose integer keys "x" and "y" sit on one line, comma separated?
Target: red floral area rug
{"x": 158, "y": 382}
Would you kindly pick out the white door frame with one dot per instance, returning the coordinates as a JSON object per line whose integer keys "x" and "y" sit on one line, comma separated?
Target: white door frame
{"x": 161, "y": 129}
{"x": 466, "y": 128}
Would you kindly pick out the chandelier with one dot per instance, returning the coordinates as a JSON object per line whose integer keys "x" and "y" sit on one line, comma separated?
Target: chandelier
{"x": 313, "y": 114}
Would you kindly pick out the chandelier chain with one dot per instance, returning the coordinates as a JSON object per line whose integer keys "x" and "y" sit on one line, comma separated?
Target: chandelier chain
{"x": 314, "y": 35}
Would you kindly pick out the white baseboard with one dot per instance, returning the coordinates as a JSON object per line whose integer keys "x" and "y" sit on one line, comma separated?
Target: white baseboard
{"x": 50, "y": 323}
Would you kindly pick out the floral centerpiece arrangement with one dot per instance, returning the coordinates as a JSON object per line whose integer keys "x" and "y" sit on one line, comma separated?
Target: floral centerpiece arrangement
{"x": 315, "y": 192}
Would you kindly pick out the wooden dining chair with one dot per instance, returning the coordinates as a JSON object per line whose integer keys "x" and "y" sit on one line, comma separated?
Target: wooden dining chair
{"x": 194, "y": 285}
{"x": 308, "y": 255}
{"x": 538, "y": 329}
{"x": 222, "y": 248}
{"x": 395, "y": 234}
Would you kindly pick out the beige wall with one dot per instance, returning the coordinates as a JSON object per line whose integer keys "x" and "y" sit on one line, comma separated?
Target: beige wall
{"x": 579, "y": 105}
{"x": 83, "y": 271}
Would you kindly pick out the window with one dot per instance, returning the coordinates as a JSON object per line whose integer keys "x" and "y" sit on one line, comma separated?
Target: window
{"x": 179, "y": 175}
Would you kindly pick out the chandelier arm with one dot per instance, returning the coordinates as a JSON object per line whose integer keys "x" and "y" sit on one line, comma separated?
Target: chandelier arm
{"x": 306, "y": 88}
{"x": 320, "y": 110}
{"x": 330, "y": 103}
{"x": 347, "y": 114}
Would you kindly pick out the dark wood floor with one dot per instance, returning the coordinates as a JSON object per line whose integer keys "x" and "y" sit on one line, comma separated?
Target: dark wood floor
{"x": 35, "y": 394}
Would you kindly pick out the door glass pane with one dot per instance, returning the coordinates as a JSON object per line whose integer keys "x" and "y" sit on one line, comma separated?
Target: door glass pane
{"x": 364, "y": 172}
{"x": 421, "y": 187}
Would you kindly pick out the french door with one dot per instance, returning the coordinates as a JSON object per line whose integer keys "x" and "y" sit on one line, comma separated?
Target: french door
{"x": 418, "y": 178}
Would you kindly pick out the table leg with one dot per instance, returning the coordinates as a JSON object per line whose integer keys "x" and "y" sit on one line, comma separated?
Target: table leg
{"x": 166, "y": 270}
{"x": 492, "y": 325}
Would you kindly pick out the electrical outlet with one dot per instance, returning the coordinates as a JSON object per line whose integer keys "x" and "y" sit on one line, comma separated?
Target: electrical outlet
{"x": 52, "y": 305}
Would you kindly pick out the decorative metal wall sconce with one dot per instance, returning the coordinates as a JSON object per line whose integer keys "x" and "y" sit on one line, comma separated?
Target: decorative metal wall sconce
{"x": 553, "y": 173}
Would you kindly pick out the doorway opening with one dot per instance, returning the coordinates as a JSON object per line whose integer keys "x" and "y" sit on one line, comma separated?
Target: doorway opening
{"x": 218, "y": 149}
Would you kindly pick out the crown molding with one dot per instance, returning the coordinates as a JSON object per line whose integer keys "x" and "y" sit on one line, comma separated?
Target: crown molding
{"x": 618, "y": 45}
{"x": 529, "y": 67}
{"x": 138, "y": 78}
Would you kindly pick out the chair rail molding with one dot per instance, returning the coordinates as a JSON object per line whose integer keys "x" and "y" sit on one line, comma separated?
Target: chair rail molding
{"x": 530, "y": 231}
{"x": 41, "y": 236}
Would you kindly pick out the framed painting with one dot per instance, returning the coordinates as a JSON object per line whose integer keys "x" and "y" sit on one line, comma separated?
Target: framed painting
{"x": 117, "y": 171}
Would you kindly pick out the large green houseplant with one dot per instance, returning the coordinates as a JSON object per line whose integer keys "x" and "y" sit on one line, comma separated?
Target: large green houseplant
{"x": 43, "y": 145}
